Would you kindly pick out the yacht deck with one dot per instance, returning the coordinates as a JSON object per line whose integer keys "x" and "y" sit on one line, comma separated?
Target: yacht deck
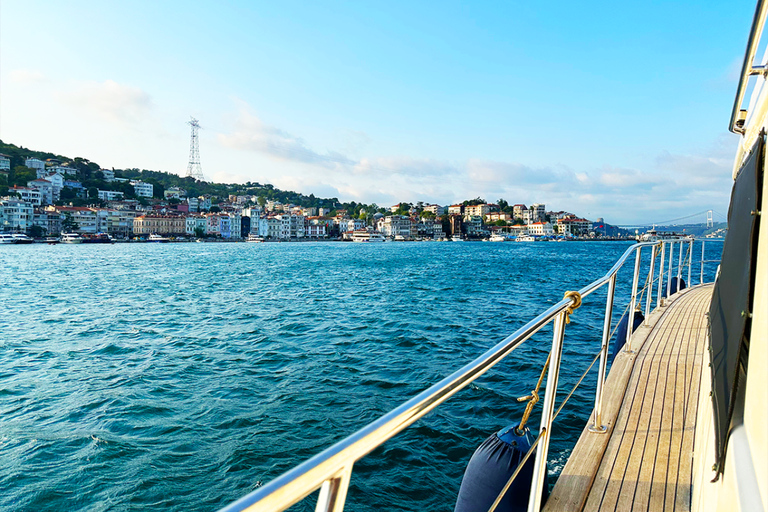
{"x": 644, "y": 461}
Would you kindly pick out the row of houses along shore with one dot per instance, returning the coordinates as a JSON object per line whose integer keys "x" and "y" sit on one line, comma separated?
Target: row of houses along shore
{"x": 37, "y": 210}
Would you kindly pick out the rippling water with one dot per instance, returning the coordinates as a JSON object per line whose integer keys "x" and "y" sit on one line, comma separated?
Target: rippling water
{"x": 184, "y": 376}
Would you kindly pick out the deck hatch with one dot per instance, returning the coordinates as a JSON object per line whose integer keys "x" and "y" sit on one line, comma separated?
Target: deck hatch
{"x": 731, "y": 305}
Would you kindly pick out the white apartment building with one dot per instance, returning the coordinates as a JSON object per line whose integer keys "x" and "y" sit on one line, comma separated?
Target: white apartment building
{"x": 234, "y": 225}
{"x": 355, "y": 225}
{"x": 455, "y": 209}
{"x": 279, "y": 227}
{"x": 539, "y": 212}
{"x": 36, "y": 164}
{"x": 15, "y": 215}
{"x": 109, "y": 174}
{"x": 195, "y": 223}
{"x": 5, "y": 163}
{"x": 259, "y": 226}
{"x": 480, "y": 209}
{"x": 541, "y": 229}
{"x": 395, "y": 225}
{"x": 142, "y": 189}
{"x": 86, "y": 218}
{"x": 63, "y": 170}
{"x": 110, "y": 195}
{"x": 473, "y": 224}
{"x": 58, "y": 183}
{"x": 45, "y": 188}
{"x": 50, "y": 222}
{"x": 28, "y": 195}
{"x": 436, "y": 209}
{"x": 298, "y": 226}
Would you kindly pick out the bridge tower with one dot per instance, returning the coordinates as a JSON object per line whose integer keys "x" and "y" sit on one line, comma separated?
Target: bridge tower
{"x": 710, "y": 221}
{"x": 194, "y": 170}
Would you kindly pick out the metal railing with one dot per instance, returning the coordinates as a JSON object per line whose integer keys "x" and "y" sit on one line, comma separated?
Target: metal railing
{"x": 331, "y": 470}
{"x": 748, "y": 68}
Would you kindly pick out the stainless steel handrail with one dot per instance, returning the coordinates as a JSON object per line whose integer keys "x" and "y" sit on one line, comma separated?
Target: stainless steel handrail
{"x": 331, "y": 469}
{"x": 739, "y": 115}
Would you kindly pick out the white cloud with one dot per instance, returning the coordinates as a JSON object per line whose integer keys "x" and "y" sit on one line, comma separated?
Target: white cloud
{"x": 27, "y": 76}
{"x": 252, "y": 134}
{"x": 111, "y": 101}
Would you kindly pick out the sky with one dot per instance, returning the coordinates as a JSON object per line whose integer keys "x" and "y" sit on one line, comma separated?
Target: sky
{"x": 606, "y": 109}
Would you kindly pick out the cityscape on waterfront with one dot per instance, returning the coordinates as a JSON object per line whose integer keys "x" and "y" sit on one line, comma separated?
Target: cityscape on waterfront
{"x": 48, "y": 197}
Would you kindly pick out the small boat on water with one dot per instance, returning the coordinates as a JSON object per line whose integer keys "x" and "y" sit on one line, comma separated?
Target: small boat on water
{"x": 98, "y": 238}
{"x": 456, "y": 238}
{"x": 71, "y": 238}
{"x": 497, "y": 238}
{"x": 525, "y": 238}
{"x": 15, "y": 238}
{"x": 363, "y": 236}
{"x": 154, "y": 237}
{"x": 254, "y": 238}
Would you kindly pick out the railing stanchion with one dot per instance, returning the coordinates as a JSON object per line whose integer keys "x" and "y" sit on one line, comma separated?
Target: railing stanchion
{"x": 333, "y": 492}
{"x": 680, "y": 266}
{"x": 671, "y": 259}
{"x": 690, "y": 260}
{"x": 631, "y": 312}
{"x": 701, "y": 279}
{"x": 545, "y": 430}
{"x": 659, "y": 301}
{"x": 650, "y": 285}
{"x": 598, "y": 426}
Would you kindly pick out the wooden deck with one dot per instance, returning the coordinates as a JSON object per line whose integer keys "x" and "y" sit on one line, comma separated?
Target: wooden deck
{"x": 644, "y": 461}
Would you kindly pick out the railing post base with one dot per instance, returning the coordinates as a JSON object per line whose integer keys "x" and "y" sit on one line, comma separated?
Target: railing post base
{"x": 602, "y": 429}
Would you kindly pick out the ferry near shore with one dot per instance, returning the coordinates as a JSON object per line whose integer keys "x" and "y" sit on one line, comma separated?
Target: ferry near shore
{"x": 15, "y": 239}
{"x": 363, "y": 236}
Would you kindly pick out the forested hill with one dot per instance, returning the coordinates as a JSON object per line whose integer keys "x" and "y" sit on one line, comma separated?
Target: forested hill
{"x": 88, "y": 170}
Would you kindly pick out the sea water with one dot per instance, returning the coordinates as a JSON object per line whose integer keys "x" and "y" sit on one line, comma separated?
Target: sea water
{"x": 183, "y": 376}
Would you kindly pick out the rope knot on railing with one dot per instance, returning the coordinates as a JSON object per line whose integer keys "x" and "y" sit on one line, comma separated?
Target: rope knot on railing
{"x": 576, "y": 297}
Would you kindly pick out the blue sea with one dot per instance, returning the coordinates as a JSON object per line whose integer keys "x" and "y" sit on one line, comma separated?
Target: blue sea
{"x": 183, "y": 376}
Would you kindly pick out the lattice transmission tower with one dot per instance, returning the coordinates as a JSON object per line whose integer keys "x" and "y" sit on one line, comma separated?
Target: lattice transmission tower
{"x": 194, "y": 169}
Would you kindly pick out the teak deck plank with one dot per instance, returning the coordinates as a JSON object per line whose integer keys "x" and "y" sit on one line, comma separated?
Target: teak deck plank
{"x": 644, "y": 461}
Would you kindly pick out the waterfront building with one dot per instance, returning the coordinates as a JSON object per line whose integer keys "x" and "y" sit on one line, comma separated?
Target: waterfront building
{"x": 298, "y": 226}
{"x": 395, "y": 225}
{"x": 540, "y": 229}
{"x": 49, "y": 222}
{"x": 355, "y": 225}
{"x": 45, "y": 188}
{"x": 195, "y": 224}
{"x": 110, "y": 195}
{"x": 142, "y": 189}
{"x": 473, "y": 225}
{"x": 118, "y": 223}
{"x": 29, "y": 195}
{"x": 86, "y": 218}
{"x": 517, "y": 210}
{"x": 573, "y": 226}
{"x": 454, "y": 224}
{"x": 159, "y": 224}
{"x": 278, "y": 227}
{"x": 16, "y": 216}
{"x": 235, "y": 224}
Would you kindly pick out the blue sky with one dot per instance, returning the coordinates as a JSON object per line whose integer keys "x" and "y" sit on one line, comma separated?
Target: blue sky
{"x": 608, "y": 109}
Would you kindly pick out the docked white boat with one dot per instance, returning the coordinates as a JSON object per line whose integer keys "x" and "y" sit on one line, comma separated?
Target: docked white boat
{"x": 254, "y": 239}
{"x": 362, "y": 236}
{"x": 15, "y": 238}
{"x": 71, "y": 238}
{"x": 525, "y": 238}
{"x": 456, "y": 238}
{"x": 154, "y": 237}
{"x": 497, "y": 238}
